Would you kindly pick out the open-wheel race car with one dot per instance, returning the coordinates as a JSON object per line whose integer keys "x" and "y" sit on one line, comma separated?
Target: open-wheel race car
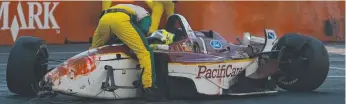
{"x": 196, "y": 63}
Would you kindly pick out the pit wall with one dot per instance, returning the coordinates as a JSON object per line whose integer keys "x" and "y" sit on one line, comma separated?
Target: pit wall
{"x": 63, "y": 22}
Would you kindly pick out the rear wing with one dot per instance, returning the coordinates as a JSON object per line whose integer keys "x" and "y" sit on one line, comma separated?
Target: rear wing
{"x": 269, "y": 39}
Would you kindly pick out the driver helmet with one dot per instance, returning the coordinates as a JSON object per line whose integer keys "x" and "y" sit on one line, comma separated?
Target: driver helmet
{"x": 163, "y": 35}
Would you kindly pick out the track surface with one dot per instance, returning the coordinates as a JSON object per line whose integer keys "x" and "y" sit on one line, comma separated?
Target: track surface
{"x": 331, "y": 92}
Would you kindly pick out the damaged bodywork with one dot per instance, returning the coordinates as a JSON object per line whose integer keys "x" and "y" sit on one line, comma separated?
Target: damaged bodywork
{"x": 201, "y": 61}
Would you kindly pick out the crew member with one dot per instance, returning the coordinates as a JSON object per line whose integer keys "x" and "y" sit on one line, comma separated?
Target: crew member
{"x": 129, "y": 23}
{"x": 157, "y": 8}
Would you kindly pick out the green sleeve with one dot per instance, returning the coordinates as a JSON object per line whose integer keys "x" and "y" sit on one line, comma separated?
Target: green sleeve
{"x": 145, "y": 24}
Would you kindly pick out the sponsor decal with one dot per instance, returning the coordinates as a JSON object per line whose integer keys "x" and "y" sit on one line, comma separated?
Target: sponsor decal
{"x": 40, "y": 16}
{"x": 221, "y": 71}
{"x": 215, "y": 44}
{"x": 271, "y": 35}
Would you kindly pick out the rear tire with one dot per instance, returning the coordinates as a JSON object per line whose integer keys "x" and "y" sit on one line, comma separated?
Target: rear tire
{"x": 309, "y": 63}
{"x": 27, "y": 64}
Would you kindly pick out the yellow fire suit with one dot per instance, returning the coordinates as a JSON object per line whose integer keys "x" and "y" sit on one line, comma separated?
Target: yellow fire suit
{"x": 158, "y": 7}
{"x": 123, "y": 24}
{"x": 106, "y": 4}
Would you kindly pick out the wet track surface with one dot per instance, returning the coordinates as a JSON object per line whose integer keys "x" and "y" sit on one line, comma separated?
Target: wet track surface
{"x": 331, "y": 92}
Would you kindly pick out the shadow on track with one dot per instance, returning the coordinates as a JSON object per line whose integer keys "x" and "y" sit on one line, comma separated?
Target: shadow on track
{"x": 63, "y": 99}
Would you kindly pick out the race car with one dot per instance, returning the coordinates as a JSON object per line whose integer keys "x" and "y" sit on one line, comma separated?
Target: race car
{"x": 196, "y": 63}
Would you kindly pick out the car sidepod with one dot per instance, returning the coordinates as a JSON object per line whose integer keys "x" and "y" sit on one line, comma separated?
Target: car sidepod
{"x": 208, "y": 77}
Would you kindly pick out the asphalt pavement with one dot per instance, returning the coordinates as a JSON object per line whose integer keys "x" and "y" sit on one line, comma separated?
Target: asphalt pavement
{"x": 331, "y": 92}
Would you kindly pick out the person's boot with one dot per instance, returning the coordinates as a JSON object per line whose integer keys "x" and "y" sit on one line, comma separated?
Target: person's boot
{"x": 152, "y": 94}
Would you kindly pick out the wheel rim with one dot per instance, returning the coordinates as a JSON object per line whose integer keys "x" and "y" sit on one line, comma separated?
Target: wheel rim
{"x": 291, "y": 65}
{"x": 41, "y": 67}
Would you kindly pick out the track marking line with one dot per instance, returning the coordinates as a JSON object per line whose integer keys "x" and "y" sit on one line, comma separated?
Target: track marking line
{"x": 336, "y": 50}
{"x": 337, "y": 68}
{"x": 336, "y": 76}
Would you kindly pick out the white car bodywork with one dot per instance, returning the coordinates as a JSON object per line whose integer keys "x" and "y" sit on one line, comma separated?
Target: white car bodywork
{"x": 209, "y": 78}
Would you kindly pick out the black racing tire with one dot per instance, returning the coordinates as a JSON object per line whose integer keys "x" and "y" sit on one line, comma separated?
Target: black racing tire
{"x": 309, "y": 63}
{"x": 27, "y": 64}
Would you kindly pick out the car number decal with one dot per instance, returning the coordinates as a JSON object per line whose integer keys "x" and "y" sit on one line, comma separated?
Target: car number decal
{"x": 215, "y": 44}
{"x": 271, "y": 35}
